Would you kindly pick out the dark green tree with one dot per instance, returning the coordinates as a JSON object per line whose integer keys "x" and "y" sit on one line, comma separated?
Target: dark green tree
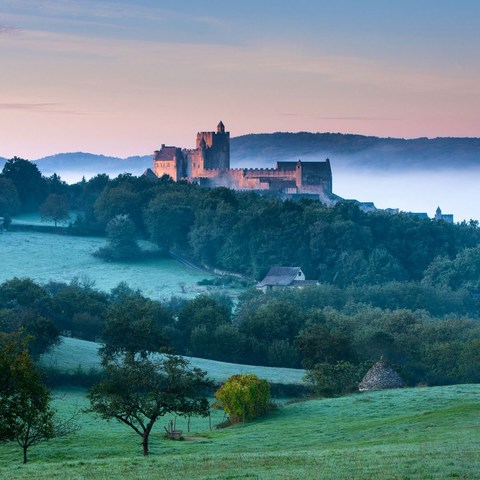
{"x": 122, "y": 242}
{"x": 139, "y": 391}
{"x": 30, "y": 185}
{"x": 135, "y": 324}
{"x": 55, "y": 209}
{"x": 25, "y": 413}
{"x": 9, "y": 200}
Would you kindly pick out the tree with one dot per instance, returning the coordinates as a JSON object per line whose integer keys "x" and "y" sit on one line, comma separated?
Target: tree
{"x": 9, "y": 201}
{"x": 26, "y": 416}
{"x": 137, "y": 391}
{"x": 244, "y": 397}
{"x": 26, "y": 306}
{"x": 28, "y": 181}
{"x": 197, "y": 321}
{"x": 169, "y": 217}
{"x": 135, "y": 325}
{"x": 329, "y": 379}
{"x": 54, "y": 209}
{"x": 122, "y": 242}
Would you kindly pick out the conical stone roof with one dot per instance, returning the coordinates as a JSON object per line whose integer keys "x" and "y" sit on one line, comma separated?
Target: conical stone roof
{"x": 381, "y": 377}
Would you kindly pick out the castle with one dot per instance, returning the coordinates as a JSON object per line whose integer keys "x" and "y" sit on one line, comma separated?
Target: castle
{"x": 209, "y": 165}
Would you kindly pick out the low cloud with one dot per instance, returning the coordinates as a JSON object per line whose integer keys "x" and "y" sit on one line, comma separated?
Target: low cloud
{"x": 7, "y": 30}
{"x": 27, "y": 106}
{"x": 39, "y": 107}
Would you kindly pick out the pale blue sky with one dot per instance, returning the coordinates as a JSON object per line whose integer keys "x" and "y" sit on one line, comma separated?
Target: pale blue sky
{"x": 118, "y": 77}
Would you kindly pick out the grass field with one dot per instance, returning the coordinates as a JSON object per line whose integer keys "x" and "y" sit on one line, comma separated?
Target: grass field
{"x": 73, "y": 353}
{"x": 422, "y": 433}
{"x": 45, "y": 257}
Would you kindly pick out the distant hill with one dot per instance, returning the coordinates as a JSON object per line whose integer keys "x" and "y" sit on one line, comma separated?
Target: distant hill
{"x": 2, "y": 162}
{"x": 356, "y": 151}
{"x": 264, "y": 149}
{"x": 89, "y": 163}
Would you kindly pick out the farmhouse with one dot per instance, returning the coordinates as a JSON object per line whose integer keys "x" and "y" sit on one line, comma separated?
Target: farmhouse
{"x": 278, "y": 277}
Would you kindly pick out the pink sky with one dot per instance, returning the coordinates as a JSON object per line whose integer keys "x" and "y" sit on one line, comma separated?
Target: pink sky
{"x": 121, "y": 79}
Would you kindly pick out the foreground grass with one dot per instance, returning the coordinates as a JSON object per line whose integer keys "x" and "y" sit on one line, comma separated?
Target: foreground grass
{"x": 400, "y": 434}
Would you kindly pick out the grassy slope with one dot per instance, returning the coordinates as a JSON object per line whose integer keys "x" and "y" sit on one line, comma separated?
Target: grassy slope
{"x": 46, "y": 257}
{"x": 72, "y": 353}
{"x": 401, "y": 434}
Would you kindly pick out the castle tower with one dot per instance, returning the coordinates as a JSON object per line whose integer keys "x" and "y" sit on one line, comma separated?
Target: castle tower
{"x": 216, "y": 146}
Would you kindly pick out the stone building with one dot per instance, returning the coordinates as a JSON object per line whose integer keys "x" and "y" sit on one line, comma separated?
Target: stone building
{"x": 280, "y": 277}
{"x": 209, "y": 165}
{"x": 381, "y": 376}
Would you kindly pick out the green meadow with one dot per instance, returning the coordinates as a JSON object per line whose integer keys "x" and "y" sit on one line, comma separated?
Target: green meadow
{"x": 72, "y": 354}
{"x": 420, "y": 433}
{"x": 45, "y": 257}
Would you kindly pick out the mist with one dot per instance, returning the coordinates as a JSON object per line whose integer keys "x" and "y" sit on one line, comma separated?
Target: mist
{"x": 454, "y": 191}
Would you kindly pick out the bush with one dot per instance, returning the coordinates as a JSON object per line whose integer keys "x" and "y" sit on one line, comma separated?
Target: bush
{"x": 340, "y": 378}
{"x": 244, "y": 397}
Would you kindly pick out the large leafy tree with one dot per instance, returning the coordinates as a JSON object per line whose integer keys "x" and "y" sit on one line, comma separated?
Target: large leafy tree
{"x": 9, "y": 201}
{"x": 122, "y": 242}
{"x": 139, "y": 386}
{"x": 25, "y": 413}
{"x": 135, "y": 325}
{"x": 27, "y": 306}
{"x": 30, "y": 185}
{"x": 137, "y": 391}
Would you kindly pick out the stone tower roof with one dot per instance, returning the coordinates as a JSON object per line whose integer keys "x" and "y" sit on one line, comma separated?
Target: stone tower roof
{"x": 381, "y": 377}
{"x": 221, "y": 127}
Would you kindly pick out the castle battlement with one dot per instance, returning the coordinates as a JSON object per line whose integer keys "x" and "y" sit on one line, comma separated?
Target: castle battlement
{"x": 209, "y": 165}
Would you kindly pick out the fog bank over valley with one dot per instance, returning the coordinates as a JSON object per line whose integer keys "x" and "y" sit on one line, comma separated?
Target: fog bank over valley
{"x": 455, "y": 191}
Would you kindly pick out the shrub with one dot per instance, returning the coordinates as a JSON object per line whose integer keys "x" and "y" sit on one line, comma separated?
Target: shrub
{"x": 244, "y": 397}
{"x": 340, "y": 378}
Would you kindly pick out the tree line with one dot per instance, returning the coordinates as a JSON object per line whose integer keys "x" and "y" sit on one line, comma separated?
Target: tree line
{"x": 248, "y": 233}
{"x": 298, "y": 328}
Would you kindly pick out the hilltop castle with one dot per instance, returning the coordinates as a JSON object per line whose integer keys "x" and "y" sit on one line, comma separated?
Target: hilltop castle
{"x": 209, "y": 165}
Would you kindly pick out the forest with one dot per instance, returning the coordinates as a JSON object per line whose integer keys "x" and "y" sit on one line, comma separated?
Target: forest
{"x": 395, "y": 286}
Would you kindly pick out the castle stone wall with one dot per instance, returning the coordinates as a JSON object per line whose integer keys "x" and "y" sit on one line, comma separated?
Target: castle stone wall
{"x": 209, "y": 165}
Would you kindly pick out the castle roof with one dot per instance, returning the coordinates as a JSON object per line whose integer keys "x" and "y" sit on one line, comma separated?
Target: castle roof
{"x": 166, "y": 153}
{"x": 281, "y": 276}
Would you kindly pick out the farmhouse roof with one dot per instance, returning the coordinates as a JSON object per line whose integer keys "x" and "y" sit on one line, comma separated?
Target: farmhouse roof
{"x": 281, "y": 276}
{"x": 381, "y": 377}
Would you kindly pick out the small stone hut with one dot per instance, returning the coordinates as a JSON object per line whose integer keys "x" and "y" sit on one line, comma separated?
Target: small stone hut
{"x": 381, "y": 377}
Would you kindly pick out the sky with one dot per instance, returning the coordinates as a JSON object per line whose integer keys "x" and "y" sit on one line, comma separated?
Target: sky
{"x": 121, "y": 77}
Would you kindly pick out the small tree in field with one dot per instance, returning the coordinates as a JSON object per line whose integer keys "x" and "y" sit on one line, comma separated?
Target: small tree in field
{"x": 122, "y": 242}
{"x": 55, "y": 209}
{"x": 137, "y": 391}
{"x": 26, "y": 416}
{"x": 244, "y": 397}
